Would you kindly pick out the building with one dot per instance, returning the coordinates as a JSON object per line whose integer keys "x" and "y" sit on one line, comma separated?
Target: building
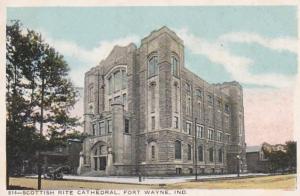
{"x": 142, "y": 108}
{"x": 256, "y": 158}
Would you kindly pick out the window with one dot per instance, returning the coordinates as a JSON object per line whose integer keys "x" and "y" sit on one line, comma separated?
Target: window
{"x": 109, "y": 104}
{"x": 94, "y": 129}
{"x": 210, "y": 134}
{"x": 101, "y": 128}
{"x": 176, "y": 97}
{"x": 219, "y": 136}
{"x": 124, "y": 79}
{"x": 152, "y": 152}
{"x": 200, "y": 131}
{"x": 200, "y": 153}
{"x": 152, "y": 66}
{"x": 177, "y": 149}
{"x": 152, "y": 96}
{"x": 228, "y": 138}
{"x": 91, "y": 94}
{"x": 124, "y": 99}
{"x": 219, "y": 104}
{"x": 118, "y": 80}
{"x": 189, "y": 152}
{"x": 178, "y": 171}
{"x": 211, "y": 154}
{"x": 220, "y": 155}
{"x": 188, "y": 105}
{"x": 117, "y": 99}
{"x": 174, "y": 63}
{"x": 198, "y": 93}
{"x": 126, "y": 126}
{"x": 109, "y": 126}
{"x": 153, "y": 122}
{"x": 199, "y": 109}
{"x": 110, "y": 85}
{"x": 226, "y": 108}
{"x": 189, "y": 128}
{"x": 210, "y": 99}
{"x": 176, "y": 122}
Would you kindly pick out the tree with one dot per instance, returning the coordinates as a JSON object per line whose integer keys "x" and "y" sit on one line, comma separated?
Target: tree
{"x": 39, "y": 92}
{"x": 291, "y": 151}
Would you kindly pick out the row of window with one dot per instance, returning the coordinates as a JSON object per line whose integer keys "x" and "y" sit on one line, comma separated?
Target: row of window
{"x": 117, "y": 81}
{"x": 122, "y": 99}
{"x": 200, "y": 152}
{"x": 102, "y": 130}
{"x": 153, "y": 66}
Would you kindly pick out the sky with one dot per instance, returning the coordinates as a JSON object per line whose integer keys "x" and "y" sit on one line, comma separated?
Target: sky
{"x": 254, "y": 45}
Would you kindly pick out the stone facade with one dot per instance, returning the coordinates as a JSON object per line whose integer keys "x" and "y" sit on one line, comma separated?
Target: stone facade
{"x": 143, "y": 108}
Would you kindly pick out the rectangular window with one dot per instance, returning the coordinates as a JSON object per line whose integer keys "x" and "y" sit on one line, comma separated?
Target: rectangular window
{"x": 126, "y": 126}
{"x": 118, "y": 80}
{"x": 91, "y": 94}
{"x": 101, "y": 128}
{"x": 109, "y": 128}
{"x": 110, "y": 85}
{"x": 152, "y": 66}
{"x": 228, "y": 138}
{"x": 117, "y": 99}
{"x": 210, "y": 99}
{"x": 189, "y": 128}
{"x": 188, "y": 105}
{"x": 94, "y": 129}
{"x": 124, "y": 99}
{"x": 200, "y": 131}
{"x": 109, "y": 104}
{"x": 153, "y": 152}
{"x": 210, "y": 134}
{"x": 176, "y": 122}
{"x": 211, "y": 154}
{"x": 174, "y": 66}
{"x": 199, "y": 109}
{"x": 189, "y": 152}
{"x": 124, "y": 79}
{"x": 153, "y": 122}
{"x": 219, "y": 136}
{"x": 152, "y": 94}
{"x": 226, "y": 108}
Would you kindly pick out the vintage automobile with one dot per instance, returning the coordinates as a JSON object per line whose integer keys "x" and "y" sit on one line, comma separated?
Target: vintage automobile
{"x": 56, "y": 173}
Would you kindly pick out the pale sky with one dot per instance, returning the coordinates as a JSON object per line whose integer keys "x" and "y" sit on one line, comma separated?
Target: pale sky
{"x": 256, "y": 46}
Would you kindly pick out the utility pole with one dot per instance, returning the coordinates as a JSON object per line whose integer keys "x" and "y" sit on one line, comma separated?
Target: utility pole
{"x": 195, "y": 150}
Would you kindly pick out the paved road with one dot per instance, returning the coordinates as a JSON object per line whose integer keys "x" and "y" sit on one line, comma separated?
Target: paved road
{"x": 152, "y": 180}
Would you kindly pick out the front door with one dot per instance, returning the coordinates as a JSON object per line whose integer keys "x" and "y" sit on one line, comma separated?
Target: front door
{"x": 102, "y": 163}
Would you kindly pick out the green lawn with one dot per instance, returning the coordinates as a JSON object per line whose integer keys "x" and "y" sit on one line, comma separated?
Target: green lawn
{"x": 287, "y": 182}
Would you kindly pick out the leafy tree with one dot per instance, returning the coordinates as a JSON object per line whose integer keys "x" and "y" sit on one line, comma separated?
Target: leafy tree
{"x": 39, "y": 94}
{"x": 291, "y": 151}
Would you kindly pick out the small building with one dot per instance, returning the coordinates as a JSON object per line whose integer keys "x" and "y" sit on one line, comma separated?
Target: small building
{"x": 256, "y": 160}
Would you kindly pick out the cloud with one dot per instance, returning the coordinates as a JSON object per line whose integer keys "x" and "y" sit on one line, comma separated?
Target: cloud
{"x": 237, "y": 66}
{"x": 279, "y": 44}
{"x": 86, "y": 58}
{"x": 91, "y": 56}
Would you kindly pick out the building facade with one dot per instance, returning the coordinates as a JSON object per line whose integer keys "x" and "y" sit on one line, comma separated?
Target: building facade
{"x": 143, "y": 110}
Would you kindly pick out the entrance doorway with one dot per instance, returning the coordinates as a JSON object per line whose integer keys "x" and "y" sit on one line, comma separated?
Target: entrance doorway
{"x": 102, "y": 163}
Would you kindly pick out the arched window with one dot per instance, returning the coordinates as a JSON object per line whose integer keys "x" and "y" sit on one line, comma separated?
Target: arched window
{"x": 211, "y": 154}
{"x": 152, "y": 66}
{"x": 177, "y": 149}
{"x": 200, "y": 153}
{"x": 174, "y": 64}
{"x": 189, "y": 152}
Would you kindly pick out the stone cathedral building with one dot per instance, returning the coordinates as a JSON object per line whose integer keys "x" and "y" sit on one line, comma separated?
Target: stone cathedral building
{"x": 143, "y": 108}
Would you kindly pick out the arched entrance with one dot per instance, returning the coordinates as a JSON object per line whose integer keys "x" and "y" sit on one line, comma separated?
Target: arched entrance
{"x": 99, "y": 156}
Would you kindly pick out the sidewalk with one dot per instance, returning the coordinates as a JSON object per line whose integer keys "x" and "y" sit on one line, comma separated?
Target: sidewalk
{"x": 152, "y": 179}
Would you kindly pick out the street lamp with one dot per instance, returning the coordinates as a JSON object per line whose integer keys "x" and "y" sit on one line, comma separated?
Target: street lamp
{"x": 238, "y": 165}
